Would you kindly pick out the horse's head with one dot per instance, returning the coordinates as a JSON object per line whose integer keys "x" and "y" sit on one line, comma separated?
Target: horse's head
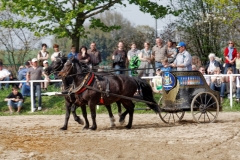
{"x": 56, "y": 65}
{"x": 73, "y": 67}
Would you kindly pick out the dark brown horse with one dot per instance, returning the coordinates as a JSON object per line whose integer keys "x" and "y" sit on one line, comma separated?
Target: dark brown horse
{"x": 117, "y": 84}
{"x": 71, "y": 102}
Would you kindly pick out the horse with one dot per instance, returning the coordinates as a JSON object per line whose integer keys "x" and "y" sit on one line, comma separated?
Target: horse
{"x": 70, "y": 100}
{"x": 103, "y": 88}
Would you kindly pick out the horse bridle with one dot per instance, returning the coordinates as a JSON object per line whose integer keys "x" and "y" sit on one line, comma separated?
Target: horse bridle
{"x": 61, "y": 65}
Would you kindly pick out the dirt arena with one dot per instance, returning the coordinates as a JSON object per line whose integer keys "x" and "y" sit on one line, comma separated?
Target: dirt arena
{"x": 39, "y": 137}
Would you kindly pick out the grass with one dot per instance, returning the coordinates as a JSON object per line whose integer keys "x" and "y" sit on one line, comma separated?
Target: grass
{"x": 55, "y": 105}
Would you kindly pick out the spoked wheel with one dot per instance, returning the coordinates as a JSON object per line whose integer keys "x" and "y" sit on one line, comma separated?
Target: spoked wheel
{"x": 205, "y": 107}
{"x": 168, "y": 116}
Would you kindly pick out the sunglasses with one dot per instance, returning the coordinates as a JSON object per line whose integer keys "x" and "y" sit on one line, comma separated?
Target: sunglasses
{"x": 230, "y": 43}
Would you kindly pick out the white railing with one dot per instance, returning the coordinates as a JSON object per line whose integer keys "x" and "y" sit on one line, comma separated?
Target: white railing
{"x": 31, "y": 88}
{"x": 223, "y": 75}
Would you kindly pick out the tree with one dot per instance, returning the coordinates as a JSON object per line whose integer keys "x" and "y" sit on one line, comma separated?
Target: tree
{"x": 16, "y": 43}
{"x": 199, "y": 27}
{"x": 65, "y": 18}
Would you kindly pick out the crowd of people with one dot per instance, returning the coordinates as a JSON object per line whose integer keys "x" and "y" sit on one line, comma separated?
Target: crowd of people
{"x": 149, "y": 61}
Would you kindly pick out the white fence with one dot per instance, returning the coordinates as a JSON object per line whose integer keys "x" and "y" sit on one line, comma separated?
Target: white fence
{"x": 32, "y": 81}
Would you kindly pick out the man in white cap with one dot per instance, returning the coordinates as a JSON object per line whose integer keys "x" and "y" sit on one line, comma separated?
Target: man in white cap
{"x": 35, "y": 73}
{"x": 183, "y": 61}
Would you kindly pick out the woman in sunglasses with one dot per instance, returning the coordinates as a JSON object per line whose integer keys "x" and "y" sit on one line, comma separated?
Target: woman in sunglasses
{"x": 230, "y": 54}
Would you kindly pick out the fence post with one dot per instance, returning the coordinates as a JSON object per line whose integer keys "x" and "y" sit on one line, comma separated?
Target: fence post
{"x": 32, "y": 96}
{"x": 230, "y": 96}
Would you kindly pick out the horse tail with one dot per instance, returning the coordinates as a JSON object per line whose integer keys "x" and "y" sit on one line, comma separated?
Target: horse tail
{"x": 147, "y": 93}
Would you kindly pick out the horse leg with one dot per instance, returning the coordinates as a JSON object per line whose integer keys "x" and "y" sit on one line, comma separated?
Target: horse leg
{"x": 129, "y": 105}
{"x": 76, "y": 118}
{"x": 122, "y": 117}
{"x": 93, "y": 115}
{"x": 84, "y": 113}
{"x": 112, "y": 119}
{"x": 119, "y": 108}
{"x": 67, "y": 115}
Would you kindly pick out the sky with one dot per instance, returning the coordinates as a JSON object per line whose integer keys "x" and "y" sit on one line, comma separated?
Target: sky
{"x": 132, "y": 13}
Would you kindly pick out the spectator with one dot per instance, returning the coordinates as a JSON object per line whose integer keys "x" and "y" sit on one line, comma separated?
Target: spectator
{"x": 73, "y": 52}
{"x": 196, "y": 61}
{"x": 212, "y": 64}
{"x": 217, "y": 82}
{"x": 230, "y": 54}
{"x": 227, "y": 81}
{"x": 194, "y": 68}
{"x": 56, "y": 52}
{"x": 35, "y": 73}
{"x": 132, "y": 55}
{"x": 44, "y": 85}
{"x": 4, "y": 75}
{"x": 207, "y": 78}
{"x": 183, "y": 61}
{"x": 146, "y": 63}
{"x": 95, "y": 55}
{"x": 42, "y": 54}
{"x": 120, "y": 59}
{"x": 157, "y": 82}
{"x": 14, "y": 100}
{"x": 25, "y": 89}
{"x": 238, "y": 63}
{"x": 166, "y": 67}
{"x": 238, "y": 89}
{"x": 171, "y": 50}
{"x": 159, "y": 52}
{"x": 83, "y": 56}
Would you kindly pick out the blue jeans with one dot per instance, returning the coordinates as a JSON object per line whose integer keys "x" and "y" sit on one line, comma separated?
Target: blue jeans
{"x": 6, "y": 84}
{"x": 37, "y": 89}
{"x": 233, "y": 66}
{"x": 158, "y": 65}
{"x": 25, "y": 90}
{"x": 14, "y": 104}
{"x": 117, "y": 67}
{"x": 238, "y": 92}
{"x": 221, "y": 89}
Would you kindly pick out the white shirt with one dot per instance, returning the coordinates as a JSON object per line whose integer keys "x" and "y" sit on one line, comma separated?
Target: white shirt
{"x": 4, "y": 73}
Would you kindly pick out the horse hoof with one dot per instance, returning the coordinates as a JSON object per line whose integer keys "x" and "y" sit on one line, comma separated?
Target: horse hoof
{"x": 112, "y": 119}
{"x": 113, "y": 125}
{"x": 93, "y": 128}
{"x": 122, "y": 122}
{"x": 85, "y": 128}
{"x": 128, "y": 126}
{"x": 63, "y": 128}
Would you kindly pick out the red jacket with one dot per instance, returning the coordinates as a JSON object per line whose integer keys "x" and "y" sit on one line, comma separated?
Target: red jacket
{"x": 234, "y": 54}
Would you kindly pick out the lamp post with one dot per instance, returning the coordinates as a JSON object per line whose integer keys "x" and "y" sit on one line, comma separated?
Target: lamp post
{"x": 156, "y": 32}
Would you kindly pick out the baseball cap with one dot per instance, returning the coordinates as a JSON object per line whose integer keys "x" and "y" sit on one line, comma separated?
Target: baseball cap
{"x": 181, "y": 44}
{"x": 158, "y": 69}
{"x": 34, "y": 60}
{"x": 45, "y": 61}
{"x": 27, "y": 63}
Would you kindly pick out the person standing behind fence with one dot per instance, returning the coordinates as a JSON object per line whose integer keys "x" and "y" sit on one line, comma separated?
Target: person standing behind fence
{"x": 25, "y": 89}
{"x": 95, "y": 56}
{"x": 14, "y": 100}
{"x": 119, "y": 59}
{"x": 146, "y": 68}
{"x": 183, "y": 61}
{"x": 4, "y": 76}
{"x": 230, "y": 54}
{"x": 73, "y": 52}
{"x": 238, "y": 63}
{"x": 35, "y": 73}
{"x": 132, "y": 53}
{"x": 212, "y": 64}
{"x": 42, "y": 55}
{"x": 56, "y": 52}
{"x": 159, "y": 52}
{"x": 83, "y": 56}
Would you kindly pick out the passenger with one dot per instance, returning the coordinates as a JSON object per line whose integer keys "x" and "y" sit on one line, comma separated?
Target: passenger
{"x": 14, "y": 100}
{"x": 157, "y": 82}
{"x": 166, "y": 66}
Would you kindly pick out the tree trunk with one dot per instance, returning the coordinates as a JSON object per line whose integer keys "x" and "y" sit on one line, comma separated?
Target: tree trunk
{"x": 75, "y": 41}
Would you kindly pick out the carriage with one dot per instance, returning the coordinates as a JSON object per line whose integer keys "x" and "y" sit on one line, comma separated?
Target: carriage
{"x": 188, "y": 91}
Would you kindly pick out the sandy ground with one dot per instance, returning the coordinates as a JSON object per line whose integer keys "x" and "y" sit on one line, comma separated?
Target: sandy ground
{"x": 39, "y": 137}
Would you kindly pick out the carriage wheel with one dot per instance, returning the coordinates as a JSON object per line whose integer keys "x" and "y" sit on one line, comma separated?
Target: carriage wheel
{"x": 205, "y": 107}
{"x": 170, "y": 117}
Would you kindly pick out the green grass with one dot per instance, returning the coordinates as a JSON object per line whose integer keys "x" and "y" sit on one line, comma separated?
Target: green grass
{"x": 55, "y": 105}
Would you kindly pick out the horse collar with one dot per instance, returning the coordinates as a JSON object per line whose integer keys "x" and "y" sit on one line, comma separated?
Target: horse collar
{"x": 86, "y": 81}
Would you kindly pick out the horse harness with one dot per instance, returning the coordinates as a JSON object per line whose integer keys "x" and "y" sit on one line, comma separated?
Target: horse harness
{"x": 87, "y": 81}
